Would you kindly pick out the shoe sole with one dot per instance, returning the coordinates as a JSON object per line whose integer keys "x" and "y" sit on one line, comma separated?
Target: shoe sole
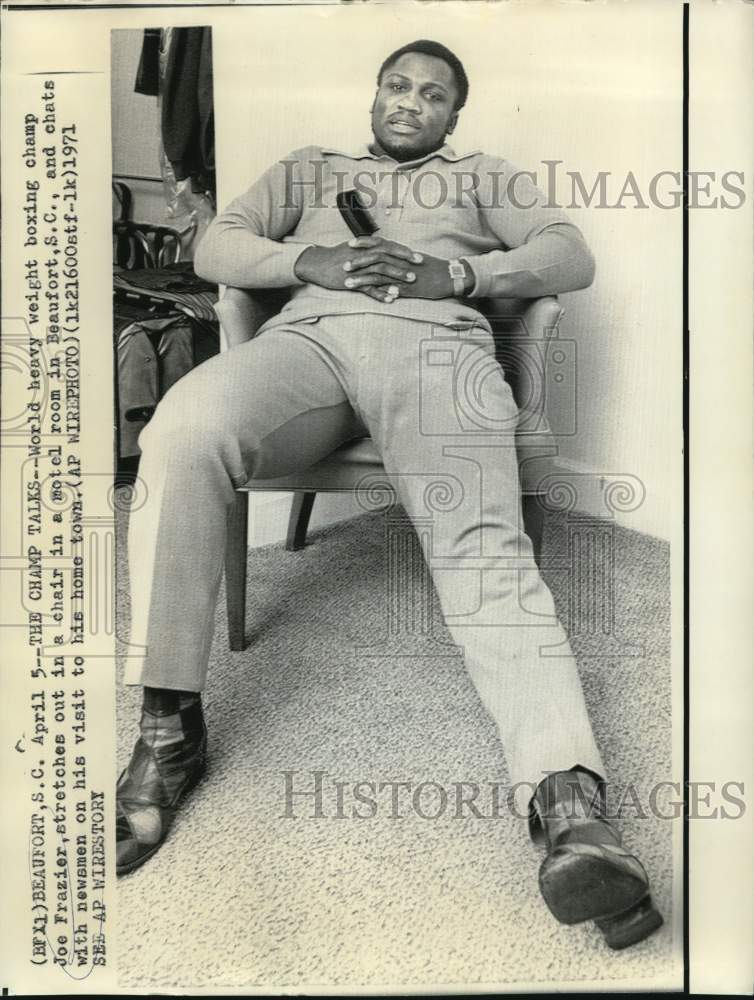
{"x": 191, "y": 782}
{"x": 578, "y": 887}
{"x": 631, "y": 927}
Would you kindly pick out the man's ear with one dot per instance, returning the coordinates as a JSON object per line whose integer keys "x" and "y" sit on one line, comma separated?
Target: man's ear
{"x": 452, "y": 123}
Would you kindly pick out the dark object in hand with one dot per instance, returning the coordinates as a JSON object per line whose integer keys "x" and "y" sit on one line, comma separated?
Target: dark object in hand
{"x": 355, "y": 216}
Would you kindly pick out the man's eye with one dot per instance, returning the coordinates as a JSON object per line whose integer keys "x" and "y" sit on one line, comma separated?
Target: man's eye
{"x": 397, "y": 86}
{"x": 434, "y": 97}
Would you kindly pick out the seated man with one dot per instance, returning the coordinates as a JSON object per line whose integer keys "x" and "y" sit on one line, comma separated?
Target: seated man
{"x": 342, "y": 360}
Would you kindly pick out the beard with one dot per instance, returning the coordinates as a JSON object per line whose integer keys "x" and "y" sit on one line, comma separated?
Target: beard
{"x": 403, "y": 148}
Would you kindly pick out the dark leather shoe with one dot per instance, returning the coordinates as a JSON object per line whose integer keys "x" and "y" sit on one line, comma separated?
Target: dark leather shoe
{"x": 587, "y": 874}
{"x": 158, "y": 777}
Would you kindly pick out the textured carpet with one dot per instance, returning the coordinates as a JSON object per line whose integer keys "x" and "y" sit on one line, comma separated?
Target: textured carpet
{"x": 242, "y": 896}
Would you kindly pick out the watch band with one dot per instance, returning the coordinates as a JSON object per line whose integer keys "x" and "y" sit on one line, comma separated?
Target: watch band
{"x": 458, "y": 276}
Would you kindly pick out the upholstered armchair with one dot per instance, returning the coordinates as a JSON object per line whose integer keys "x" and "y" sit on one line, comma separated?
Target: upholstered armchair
{"x": 523, "y": 329}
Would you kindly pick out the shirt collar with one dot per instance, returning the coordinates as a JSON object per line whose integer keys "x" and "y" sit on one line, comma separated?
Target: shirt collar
{"x": 363, "y": 152}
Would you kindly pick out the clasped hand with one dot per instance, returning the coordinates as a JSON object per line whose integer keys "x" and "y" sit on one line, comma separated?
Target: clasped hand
{"x": 380, "y": 268}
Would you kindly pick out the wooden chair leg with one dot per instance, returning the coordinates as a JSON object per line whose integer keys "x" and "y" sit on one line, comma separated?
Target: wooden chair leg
{"x": 534, "y": 523}
{"x": 298, "y": 522}
{"x": 235, "y": 571}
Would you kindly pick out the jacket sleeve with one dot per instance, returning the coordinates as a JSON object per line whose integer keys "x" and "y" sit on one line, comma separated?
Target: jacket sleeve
{"x": 243, "y": 245}
{"x": 542, "y": 252}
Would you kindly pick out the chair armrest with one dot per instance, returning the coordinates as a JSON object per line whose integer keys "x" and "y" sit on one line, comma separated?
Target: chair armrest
{"x": 542, "y": 317}
{"x": 524, "y": 317}
{"x": 242, "y": 311}
{"x": 522, "y": 329}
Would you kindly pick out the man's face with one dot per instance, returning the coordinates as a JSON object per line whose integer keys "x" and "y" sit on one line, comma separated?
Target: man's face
{"x": 413, "y": 110}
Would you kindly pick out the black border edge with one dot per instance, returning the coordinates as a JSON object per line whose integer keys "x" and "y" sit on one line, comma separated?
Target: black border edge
{"x": 686, "y": 560}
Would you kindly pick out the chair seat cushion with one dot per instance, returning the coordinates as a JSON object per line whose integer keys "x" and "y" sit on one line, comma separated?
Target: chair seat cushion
{"x": 347, "y": 466}
{"x": 343, "y": 469}
{"x": 362, "y": 451}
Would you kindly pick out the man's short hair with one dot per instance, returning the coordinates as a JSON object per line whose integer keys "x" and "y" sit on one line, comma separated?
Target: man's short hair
{"x": 429, "y": 48}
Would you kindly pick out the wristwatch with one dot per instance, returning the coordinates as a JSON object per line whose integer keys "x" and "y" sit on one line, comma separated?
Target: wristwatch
{"x": 458, "y": 276}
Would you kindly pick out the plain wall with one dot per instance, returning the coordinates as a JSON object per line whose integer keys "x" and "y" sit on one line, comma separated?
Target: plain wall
{"x": 597, "y": 88}
{"x": 135, "y": 129}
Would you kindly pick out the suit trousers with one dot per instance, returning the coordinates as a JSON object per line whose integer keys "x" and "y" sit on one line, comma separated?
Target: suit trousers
{"x": 443, "y": 418}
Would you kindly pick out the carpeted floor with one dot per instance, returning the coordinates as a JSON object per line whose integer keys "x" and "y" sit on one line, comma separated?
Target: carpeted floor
{"x": 243, "y": 896}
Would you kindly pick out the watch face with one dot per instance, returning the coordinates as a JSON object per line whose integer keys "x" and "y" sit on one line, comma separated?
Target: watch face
{"x": 457, "y": 276}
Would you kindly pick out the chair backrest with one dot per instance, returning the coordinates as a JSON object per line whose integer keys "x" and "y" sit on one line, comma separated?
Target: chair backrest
{"x": 522, "y": 329}
{"x": 137, "y": 245}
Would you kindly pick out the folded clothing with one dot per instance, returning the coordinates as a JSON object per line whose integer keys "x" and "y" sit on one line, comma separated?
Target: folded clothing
{"x": 175, "y": 283}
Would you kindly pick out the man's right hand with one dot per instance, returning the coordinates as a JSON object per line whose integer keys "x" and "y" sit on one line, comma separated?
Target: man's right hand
{"x": 330, "y": 267}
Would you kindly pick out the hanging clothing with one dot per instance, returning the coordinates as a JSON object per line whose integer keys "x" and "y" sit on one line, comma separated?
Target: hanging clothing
{"x": 188, "y": 132}
{"x": 176, "y": 64}
{"x": 148, "y": 73}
